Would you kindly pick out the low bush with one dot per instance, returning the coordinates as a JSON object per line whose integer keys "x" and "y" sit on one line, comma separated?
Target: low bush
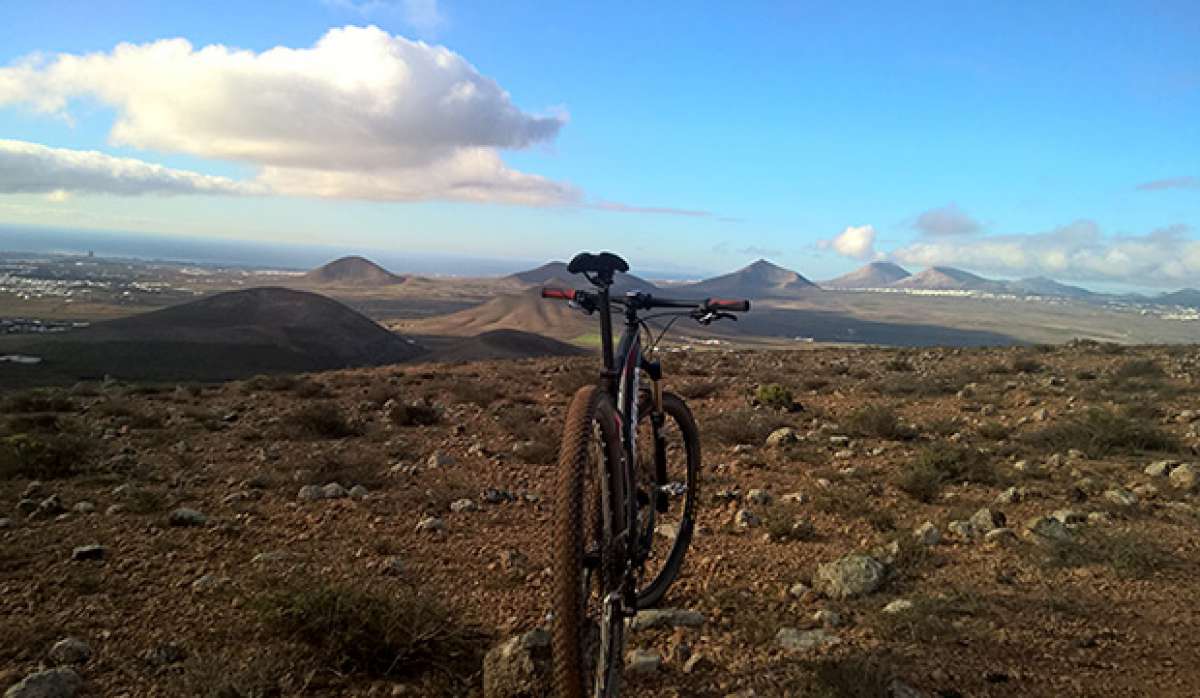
{"x": 879, "y": 421}
{"x": 415, "y": 415}
{"x": 940, "y": 464}
{"x": 994, "y": 431}
{"x": 37, "y": 400}
{"x": 775, "y": 396}
{"x": 399, "y": 634}
{"x": 1100, "y": 432}
{"x": 1130, "y": 555}
{"x": 43, "y": 456}
{"x": 698, "y": 389}
{"x": 322, "y": 420}
{"x": 743, "y": 426}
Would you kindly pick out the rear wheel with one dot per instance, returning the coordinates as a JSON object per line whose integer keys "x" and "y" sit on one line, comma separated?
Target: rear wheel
{"x": 668, "y": 482}
{"x": 587, "y": 631}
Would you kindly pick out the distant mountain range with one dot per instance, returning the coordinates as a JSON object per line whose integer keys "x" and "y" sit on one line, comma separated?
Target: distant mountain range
{"x": 556, "y": 274}
{"x": 762, "y": 279}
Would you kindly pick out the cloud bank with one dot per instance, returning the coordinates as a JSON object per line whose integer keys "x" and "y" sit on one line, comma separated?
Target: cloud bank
{"x": 360, "y": 114}
{"x": 946, "y": 221}
{"x": 29, "y": 168}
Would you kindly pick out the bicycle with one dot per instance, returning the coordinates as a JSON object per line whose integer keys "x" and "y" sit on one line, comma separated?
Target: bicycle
{"x": 612, "y": 552}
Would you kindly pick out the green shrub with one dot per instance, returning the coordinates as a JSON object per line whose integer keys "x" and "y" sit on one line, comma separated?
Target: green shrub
{"x": 322, "y": 420}
{"x": 940, "y": 464}
{"x": 415, "y": 415}
{"x": 42, "y": 457}
{"x": 878, "y": 421}
{"x": 37, "y": 400}
{"x": 1100, "y": 432}
{"x": 400, "y": 634}
{"x": 774, "y": 396}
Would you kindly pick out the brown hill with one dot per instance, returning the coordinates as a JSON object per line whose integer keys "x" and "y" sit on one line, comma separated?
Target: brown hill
{"x": 556, "y": 274}
{"x": 948, "y": 279}
{"x": 873, "y": 275}
{"x": 227, "y": 335}
{"x": 352, "y": 271}
{"x": 526, "y": 311}
{"x": 761, "y": 279}
{"x": 506, "y": 344}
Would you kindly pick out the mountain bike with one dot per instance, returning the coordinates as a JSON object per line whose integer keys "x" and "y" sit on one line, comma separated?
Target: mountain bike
{"x": 628, "y": 470}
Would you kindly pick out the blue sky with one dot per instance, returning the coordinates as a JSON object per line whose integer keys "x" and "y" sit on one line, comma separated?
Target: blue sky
{"x": 1007, "y": 138}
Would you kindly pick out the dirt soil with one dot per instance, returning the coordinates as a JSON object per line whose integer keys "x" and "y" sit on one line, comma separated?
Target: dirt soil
{"x": 1110, "y": 611}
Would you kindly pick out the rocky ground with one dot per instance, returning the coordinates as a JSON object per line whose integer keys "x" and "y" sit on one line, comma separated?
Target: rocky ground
{"x": 873, "y": 522}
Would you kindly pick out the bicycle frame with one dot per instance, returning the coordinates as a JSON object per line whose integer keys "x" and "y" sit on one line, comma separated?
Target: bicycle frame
{"x": 621, "y": 378}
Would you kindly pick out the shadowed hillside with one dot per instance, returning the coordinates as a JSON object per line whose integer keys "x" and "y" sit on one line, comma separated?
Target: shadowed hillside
{"x": 556, "y": 274}
{"x": 228, "y": 335}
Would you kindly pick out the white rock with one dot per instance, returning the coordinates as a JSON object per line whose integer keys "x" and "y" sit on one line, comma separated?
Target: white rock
{"x": 802, "y": 640}
{"x": 1185, "y": 477}
{"x": 849, "y": 576}
{"x": 898, "y": 606}
{"x": 927, "y": 534}
{"x": 432, "y": 524}
{"x": 461, "y": 505}
{"x": 639, "y": 661}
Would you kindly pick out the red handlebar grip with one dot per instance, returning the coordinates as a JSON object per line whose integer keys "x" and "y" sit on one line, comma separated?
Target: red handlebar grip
{"x": 562, "y": 294}
{"x": 736, "y": 306}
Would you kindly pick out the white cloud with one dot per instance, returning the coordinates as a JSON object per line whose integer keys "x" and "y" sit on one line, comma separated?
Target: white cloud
{"x": 945, "y": 221}
{"x": 856, "y": 242}
{"x": 29, "y": 168}
{"x": 1076, "y": 252}
{"x": 361, "y": 114}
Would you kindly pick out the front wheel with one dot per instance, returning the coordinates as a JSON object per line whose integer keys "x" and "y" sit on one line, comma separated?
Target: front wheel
{"x": 668, "y": 482}
{"x": 588, "y": 628}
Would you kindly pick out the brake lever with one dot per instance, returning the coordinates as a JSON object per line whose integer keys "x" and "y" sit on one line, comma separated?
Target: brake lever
{"x": 708, "y": 317}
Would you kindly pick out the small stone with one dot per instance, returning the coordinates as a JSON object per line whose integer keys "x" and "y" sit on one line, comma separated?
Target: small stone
{"x": 758, "y": 497}
{"x": 1000, "y": 536}
{"x": 186, "y": 517}
{"x": 34, "y": 490}
{"x": 1161, "y": 468}
{"x": 359, "y": 492}
{"x": 793, "y": 498}
{"x": 1099, "y": 518}
{"x": 1185, "y": 477}
{"x": 800, "y": 591}
{"x": 334, "y": 490}
{"x": 114, "y": 509}
{"x": 5, "y": 522}
{"x": 1070, "y": 516}
{"x": 88, "y": 552}
{"x": 666, "y": 618}
{"x": 70, "y": 650}
{"x": 828, "y": 618}
{"x": 1121, "y": 497}
{"x": 801, "y": 640}
{"x": 439, "y": 459}
{"x": 1040, "y": 415}
{"x": 269, "y": 557}
{"x": 492, "y": 495}
{"x": 640, "y": 661}
{"x": 164, "y": 654}
{"x": 849, "y": 576}
{"x": 693, "y": 663}
{"x": 61, "y": 682}
{"x": 431, "y": 524}
{"x": 461, "y": 505}
{"x": 899, "y": 689}
{"x": 310, "y": 493}
{"x": 670, "y": 531}
{"x": 986, "y": 520}
{"x": 962, "y": 529}
{"x": 84, "y": 507}
{"x": 518, "y": 666}
{"x": 927, "y": 534}
{"x": 898, "y": 606}
{"x": 48, "y": 507}
{"x": 784, "y": 436}
{"x": 1012, "y": 495}
{"x": 1047, "y": 529}
{"x": 393, "y": 567}
{"x": 746, "y": 519}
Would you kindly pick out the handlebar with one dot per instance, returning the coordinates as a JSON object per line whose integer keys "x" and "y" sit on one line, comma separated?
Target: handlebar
{"x": 645, "y": 301}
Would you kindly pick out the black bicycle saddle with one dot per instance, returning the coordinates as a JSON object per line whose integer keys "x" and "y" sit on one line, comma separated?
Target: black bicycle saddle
{"x": 604, "y": 264}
